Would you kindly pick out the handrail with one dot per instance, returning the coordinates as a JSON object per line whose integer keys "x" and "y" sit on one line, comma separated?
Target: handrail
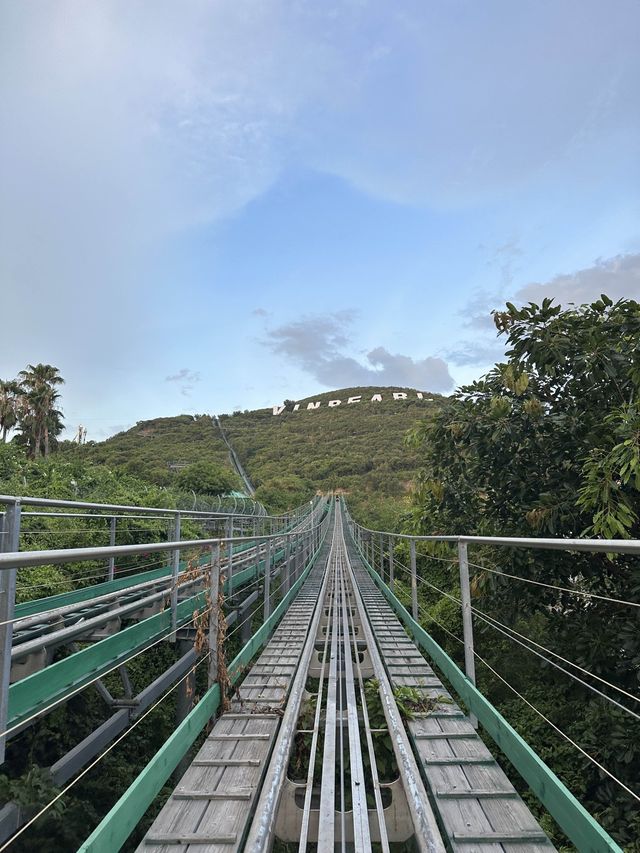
{"x": 23, "y": 559}
{"x": 618, "y": 546}
{"x": 25, "y": 500}
{"x": 580, "y": 827}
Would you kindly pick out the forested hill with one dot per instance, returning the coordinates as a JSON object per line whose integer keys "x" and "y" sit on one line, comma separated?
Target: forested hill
{"x": 155, "y": 450}
{"x": 358, "y": 446}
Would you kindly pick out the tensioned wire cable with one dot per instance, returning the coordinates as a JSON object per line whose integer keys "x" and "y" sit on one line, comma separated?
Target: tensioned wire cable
{"x": 485, "y": 617}
{"x": 102, "y": 754}
{"x": 121, "y": 572}
{"x": 540, "y": 714}
{"x": 529, "y": 580}
{"x": 558, "y": 588}
{"x": 559, "y": 730}
{"x": 570, "y": 674}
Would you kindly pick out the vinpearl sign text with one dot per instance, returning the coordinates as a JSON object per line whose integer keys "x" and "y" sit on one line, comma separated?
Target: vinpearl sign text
{"x": 376, "y": 398}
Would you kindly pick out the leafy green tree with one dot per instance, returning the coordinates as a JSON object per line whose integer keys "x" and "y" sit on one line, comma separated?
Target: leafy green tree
{"x": 548, "y": 444}
{"x": 207, "y": 478}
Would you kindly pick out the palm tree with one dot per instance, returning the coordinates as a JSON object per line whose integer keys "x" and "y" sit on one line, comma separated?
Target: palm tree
{"x": 39, "y": 419}
{"x": 9, "y": 396}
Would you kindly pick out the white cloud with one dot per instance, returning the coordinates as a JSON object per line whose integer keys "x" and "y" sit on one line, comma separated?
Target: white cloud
{"x": 617, "y": 277}
{"x": 317, "y": 344}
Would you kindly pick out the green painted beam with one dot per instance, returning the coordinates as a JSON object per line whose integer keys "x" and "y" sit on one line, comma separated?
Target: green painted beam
{"x": 571, "y": 816}
{"x": 53, "y": 684}
{"x": 114, "y": 829}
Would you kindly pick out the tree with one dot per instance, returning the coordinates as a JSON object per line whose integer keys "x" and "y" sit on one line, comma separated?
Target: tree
{"x": 9, "y": 398}
{"x": 39, "y": 420}
{"x": 206, "y": 478}
{"x": 548, "y": 444}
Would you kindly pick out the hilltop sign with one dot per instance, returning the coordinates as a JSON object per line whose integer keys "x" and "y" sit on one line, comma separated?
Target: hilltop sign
{"x": 332, "y": 404}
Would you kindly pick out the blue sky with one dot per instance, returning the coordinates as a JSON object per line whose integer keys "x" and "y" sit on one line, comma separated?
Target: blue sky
{"x": 219, "y": 205}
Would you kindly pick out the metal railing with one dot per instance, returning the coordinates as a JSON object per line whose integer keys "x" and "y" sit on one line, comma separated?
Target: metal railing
{"x": 380, "y": 551}
{"x": 238, "y": 531}
{"x": 374, "y": 544}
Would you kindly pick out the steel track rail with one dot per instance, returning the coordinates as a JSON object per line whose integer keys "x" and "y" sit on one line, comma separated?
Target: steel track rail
{"x": 427, "y": 832}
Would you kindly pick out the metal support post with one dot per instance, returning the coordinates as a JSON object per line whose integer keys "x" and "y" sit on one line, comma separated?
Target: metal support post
{"x": 467, "y": 617}
{"x": 111, "y": 562}
{"x": 298, "y": 557}
{"x": 214, "y": 612}
{"x": 175, "y": 569}
{"x": 414, "y": 580}
{"x": 267, "y": 580}
{"x": 9, "y": 542}
{"x": 286, "y": 581}
{"x": 259, "y": 543}
{"x": 230, "y": 551}
{"x": 184, "y": 702}
{"x": 381, "y": 556}
{"x": 391, "y": 564}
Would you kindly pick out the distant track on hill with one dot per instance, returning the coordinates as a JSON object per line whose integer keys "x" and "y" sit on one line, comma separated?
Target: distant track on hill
{"x": 234, "y": 459}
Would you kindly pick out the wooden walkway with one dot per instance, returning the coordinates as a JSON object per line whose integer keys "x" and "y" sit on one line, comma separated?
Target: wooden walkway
{"x": 478, "y": 807}
{"x": 471, "y": 802}
{"x": 210, "y": 809}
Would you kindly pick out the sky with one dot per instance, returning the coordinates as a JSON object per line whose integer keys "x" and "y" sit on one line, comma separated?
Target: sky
{"x": 211, "y": 205}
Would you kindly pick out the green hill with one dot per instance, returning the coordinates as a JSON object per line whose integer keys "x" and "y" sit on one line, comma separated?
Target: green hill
{"x": 156, "y": 450}
{"x": 357, "y": 447}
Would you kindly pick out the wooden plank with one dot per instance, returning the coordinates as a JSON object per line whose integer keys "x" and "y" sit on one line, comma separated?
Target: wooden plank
{"x": 211, "y": 795}
{"x": 500, "y": 837}
{"x": 472, "y": 794}
{"x": 191, "y": 839}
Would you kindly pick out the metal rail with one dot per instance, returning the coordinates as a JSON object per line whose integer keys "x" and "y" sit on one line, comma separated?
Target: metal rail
{"x": 119, "y": 508}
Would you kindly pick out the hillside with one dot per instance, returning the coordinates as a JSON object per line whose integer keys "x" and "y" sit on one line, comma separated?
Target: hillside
{"x": 148, "y": 449}
{"x": 357, "y": 447}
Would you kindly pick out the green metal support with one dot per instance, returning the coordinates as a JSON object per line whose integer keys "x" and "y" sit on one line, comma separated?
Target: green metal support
{"x": 571, "y": 816}
{"x": 37, "y": 692}
{"x": 114, "y": 829}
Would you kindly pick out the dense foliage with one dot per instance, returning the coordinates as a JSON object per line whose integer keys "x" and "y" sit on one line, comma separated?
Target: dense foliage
{"x": 160, "y": 451}
{"x": 548, "y": 444}
{"x": 69, "y": 476}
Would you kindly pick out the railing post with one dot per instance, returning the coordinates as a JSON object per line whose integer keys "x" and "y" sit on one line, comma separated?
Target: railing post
{"x": 9, "y": 542}
{"x": 391, "y": 565}
{"x": 258, "y": 549}
{"x": 298, "y": 561}
{"x": 414, "y": 580}
{"x": 286, "y": 582}
{"x": 467, "y": 617}
{"x": 267, "y": 580}
{"x": 230, "y": 552}
{"x": 175, "y": 569}
{"x": 381, "y": 556}
{"x": 214, "y": 612}
{"x": 111, "y": 562}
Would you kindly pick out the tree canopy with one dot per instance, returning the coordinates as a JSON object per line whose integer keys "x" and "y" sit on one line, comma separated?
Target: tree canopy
{"x": 30, "y": 405}
{"x": 548, "y": 444}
